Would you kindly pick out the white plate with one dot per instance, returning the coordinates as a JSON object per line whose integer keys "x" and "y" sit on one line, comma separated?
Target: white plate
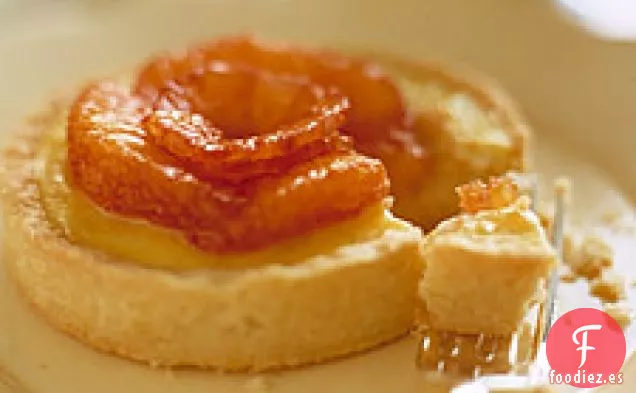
{"x": 577, "y": 91}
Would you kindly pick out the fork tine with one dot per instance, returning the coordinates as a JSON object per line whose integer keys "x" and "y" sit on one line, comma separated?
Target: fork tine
{"x": 561, "y": 195}
{"x": 534, "y": 192}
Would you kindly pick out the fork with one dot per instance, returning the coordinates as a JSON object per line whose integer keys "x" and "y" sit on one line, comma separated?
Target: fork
{"x": 503, "y": 362}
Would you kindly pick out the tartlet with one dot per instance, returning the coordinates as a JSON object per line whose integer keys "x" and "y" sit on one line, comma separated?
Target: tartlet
{"x": 252, "y": 318}
{"x": 337, "y": 289}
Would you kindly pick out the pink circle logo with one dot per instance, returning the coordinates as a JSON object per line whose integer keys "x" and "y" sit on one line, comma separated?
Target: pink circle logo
{"x": 586, "y": 348}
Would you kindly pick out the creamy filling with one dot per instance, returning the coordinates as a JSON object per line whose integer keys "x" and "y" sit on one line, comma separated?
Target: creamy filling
{"x": 468, "y": 122}
{"x": 515, "y": 229}
{"x": 516, "y": 219}
{"x": 467, "y": 137}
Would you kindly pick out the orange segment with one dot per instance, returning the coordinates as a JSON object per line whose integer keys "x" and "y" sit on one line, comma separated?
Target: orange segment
{"x": 497, "y": 193}
{"x": 239, "y": 145}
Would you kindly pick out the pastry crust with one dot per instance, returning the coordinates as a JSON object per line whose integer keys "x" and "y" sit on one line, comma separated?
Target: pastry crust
{"x": 358, "y": 297}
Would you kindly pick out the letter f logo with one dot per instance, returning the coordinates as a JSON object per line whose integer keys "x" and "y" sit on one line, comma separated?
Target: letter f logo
{"x": 583, "y": 344}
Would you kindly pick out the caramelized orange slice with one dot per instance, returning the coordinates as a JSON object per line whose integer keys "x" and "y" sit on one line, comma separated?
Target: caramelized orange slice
{"x": 281, "y": 168}
{"x": 376, "y": 119}
{"x": 376, "y": 104}
{"x": 497, "y": 193}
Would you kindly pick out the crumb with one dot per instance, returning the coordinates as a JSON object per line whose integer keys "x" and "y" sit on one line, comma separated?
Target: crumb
{"x": 592, "y": 256}
{"x": 43, "y": 366}
{"x": 611, "y": 216}
{"x": 545, "y": 219}
{"x": 610, "y": 287}
{"x": 620, "y": 312}
{"x": 569, "y": 248}
{"x": 258, "y": 383}
{"x": 568, "y": 277}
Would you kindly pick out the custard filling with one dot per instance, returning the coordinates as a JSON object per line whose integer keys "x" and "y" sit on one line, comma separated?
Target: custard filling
{"x": 467, "y": 137}
{"x": 139, "y": 242}
{"x": 514, "y": 229}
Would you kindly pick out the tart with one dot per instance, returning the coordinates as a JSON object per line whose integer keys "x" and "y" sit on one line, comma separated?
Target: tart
{"x": 268, "y": 311}
{"x": 229, "y": 207}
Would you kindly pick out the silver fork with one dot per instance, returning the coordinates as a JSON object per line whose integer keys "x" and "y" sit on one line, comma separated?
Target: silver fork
{"x": 533, "y": 368}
